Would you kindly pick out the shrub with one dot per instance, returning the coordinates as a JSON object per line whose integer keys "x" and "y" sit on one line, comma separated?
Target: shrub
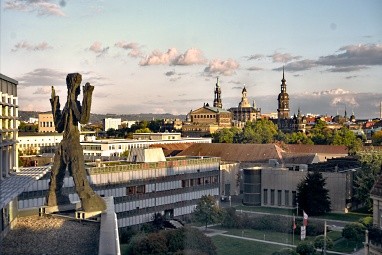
{"x": 305, "y": 248}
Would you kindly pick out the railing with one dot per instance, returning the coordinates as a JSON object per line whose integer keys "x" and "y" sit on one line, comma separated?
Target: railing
{"x": 155, "y": 165}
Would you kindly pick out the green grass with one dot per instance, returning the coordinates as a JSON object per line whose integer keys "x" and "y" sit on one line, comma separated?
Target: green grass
{"x": 346, "y": 246}
{"x": 229, "y": 246}
{"x": 351, "y": 216}
{"x": 334, "y": 235}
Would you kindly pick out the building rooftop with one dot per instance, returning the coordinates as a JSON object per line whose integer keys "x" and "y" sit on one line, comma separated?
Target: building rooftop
{"x": 14, "y": 185}
{"x": 51, "y": 235}
{"x": 307, "y": 148}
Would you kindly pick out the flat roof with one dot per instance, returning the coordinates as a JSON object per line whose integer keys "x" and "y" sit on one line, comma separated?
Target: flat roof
{"x": 14, "y": 185}
{"x": 6, "y": 78}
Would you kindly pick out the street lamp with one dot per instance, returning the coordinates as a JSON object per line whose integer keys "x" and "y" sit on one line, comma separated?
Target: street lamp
{"x": 297, "y": 208}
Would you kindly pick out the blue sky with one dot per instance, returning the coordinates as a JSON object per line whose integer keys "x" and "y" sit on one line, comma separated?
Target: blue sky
{"x": 164, "y": 56}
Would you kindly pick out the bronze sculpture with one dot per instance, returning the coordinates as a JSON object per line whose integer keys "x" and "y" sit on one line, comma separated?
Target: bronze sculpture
{"x": 69, "y": 153}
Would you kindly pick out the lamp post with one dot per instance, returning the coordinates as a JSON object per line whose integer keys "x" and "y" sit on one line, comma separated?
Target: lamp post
{"x": 297, "y": 209}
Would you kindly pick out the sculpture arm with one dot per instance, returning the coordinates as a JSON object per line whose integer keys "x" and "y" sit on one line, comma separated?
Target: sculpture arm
{"x": 57, "y": 114}
{"x": 86, "y": 103}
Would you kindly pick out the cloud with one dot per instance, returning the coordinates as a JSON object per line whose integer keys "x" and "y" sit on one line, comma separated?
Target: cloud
{"x": 283, "y": 57}
{"x": 41, "y": 7}
{"x": 24, "y": 45}
{"x": 237, "y": 87}
{"x": 222, "y": 67}
{"x": 172, "y": 57}
{"x": 133, "y": 48}
{"x": 97, "y": 48}
{"x": 301, "y": 65}
{"x": 254, "y": 68}
{"x": 42, "y": 77}
{"x": 255, "y": 57}
{"x": 159, "y": 58}
{"x": 42, "y": 91}
{"x": 353, "y": 58}
{"x": 190, "y": 57}
{"x": 351, "y": 77}
{"x": 235, "y": 82}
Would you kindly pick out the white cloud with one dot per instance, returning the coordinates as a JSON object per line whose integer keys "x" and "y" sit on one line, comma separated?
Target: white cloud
{"x": 283, "y": 57}
{"x": 134, "y": 49}
{"x": 97, "y": 48}
{"x": 41, "y": 7}
{"x": 222, "y": 67}
{"x": 190, "y": 57}
{"x": 159, "y": 58}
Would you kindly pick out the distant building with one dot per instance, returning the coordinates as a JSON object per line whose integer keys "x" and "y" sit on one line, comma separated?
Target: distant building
{"x": 283, "y": 118}
{"x": 171, "y": 125}
{"x": 244, "y": 112}
{"x": 128, "y": 123}
{"x": 38, "y": 143}
{"x": 206, "y": 120}
{"x": 157, "y": 136}
{"x": 46, "y": 123}
{"x": 113, "y": 123}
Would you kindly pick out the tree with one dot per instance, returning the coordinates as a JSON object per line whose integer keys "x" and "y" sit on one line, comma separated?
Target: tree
{"x": 226, "y": 135}
{"x": 319, "y": 243}
{"x": 346, "y": 137}
{"x": 298, "y": 138}
{"x": 305, "y": 248}
{"x": 143, "y": 130}
{"x": 312, "y": 196}
{"x": 320, "y": 134}
{"x": 259, "y": 131}
{"x": 371, "y": 166}
{"x": 230, "y": 219}
{"x": 354, "y": 232}
{"x": 207, "y": 211}
{"x": 377, "y": 138}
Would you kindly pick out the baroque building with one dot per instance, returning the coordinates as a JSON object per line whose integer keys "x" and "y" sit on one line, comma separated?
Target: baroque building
{"x": 284, "y": 122}
{"x": 244, "y": 112}
{"x": 206, "y": 120}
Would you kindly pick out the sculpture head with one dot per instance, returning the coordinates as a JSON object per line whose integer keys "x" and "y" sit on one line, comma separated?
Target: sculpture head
{"x": 73, "y": 82}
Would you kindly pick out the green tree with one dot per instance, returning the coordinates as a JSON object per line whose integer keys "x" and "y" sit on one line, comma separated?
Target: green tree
{"x": 143, "y": 130}
{"x": 226, "y": 135}
{"x": 354, "y": 232}
{"x": 312, "y": 196}
{"x": 230, "y": 219}
{"x": 319, "y": 243}
{"x": 371, "y": 166}
{"x": 320, "y": 134}
{"x": 297, "y": 138}
{"x": 346, "y": 137}
{"x": 305, "y": 248}
{"x": 259, "y": 131}
{"x": 207, "y": 211}
{"x": 377, "y": 138}
{"x": 155, "y": 125}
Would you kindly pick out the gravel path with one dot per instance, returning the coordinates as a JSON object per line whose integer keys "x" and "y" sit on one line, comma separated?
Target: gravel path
{"x": 50, "y": 235}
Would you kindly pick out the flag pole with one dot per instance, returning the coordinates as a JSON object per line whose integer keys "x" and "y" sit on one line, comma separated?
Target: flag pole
{"x": 325, "y": 238}
{"x": 293, "y": 227}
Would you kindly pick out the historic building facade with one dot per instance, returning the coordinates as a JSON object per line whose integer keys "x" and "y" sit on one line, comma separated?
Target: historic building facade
{"x": 284, "y": 122}
{"x": 244, "y": 112}
{"x": 206, "y": 120}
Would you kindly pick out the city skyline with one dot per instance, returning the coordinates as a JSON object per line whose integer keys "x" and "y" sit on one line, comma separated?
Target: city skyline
{"x": 164, "y": 56}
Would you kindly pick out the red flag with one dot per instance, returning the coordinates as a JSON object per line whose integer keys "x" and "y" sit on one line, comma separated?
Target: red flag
{"x": 294, "y": 223}
{"x": 305, "y": 221}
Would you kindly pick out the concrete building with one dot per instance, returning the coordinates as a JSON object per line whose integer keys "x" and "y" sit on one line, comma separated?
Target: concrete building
{"x": 113, "y": 123}
{"x": 38, "y": 143}
{"x": 157, "y": 136}
{"x": 46, "y": 123}
{"x": 115, "y": 147}
{"x": 172, "y": 187}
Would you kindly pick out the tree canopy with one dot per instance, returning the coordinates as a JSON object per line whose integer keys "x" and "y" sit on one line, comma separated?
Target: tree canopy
{"x": 207, "y": 211}
{"x": 312, "y": 196}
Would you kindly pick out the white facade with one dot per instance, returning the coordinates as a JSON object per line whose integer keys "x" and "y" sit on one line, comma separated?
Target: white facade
{"x": 8, "y": 126}
{"x": 172, "y": 188}
{"x": 113, "y": 123}
{"x": 115, "y": 147}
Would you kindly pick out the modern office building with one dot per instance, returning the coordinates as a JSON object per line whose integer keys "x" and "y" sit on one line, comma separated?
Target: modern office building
{"x": 113, "y": 123}
{"x": 46, "y": 123}
{"x": 172, "y": 186}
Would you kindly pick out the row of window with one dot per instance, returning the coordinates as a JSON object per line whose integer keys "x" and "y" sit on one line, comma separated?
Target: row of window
{"x": 276, "y": 198}
{"x": 199, "y": 181}
{"x": 204, "y": 116}
{"x": 46, "y": 124}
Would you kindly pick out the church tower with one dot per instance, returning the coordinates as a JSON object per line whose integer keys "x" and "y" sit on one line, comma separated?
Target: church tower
{"x": 283, "y": 99}
{"x": 218, "y": 92}
{"x": 244, "y": 100}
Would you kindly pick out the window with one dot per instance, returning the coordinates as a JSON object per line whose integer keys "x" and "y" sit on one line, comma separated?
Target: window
{"x": 279, "y": 197}
{"x": 265, "y": 196}
{"x": 272, "y": 196}
{"x": 294, "y": 198}
{"x": 287, "y": 198}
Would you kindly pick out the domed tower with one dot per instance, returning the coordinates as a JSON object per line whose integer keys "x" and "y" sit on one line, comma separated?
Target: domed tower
{"x": 283, "y": 99}
{"x": 244, "y": 100}
{"x": 218, "y": 92}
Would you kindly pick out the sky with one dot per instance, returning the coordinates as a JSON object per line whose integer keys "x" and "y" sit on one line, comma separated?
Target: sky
{"x": 165, "y": 56}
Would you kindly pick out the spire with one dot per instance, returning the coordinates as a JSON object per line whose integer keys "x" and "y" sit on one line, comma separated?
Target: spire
{"x": 217, "y": 81}
{"x": 283, "y": 80}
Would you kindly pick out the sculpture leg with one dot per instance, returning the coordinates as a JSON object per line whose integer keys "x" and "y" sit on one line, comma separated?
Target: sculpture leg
{"x": 55, "y": 196}
{"x": 90, "y": 200}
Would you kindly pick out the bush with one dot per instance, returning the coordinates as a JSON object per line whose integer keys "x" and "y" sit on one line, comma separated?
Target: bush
{"x": 305, "y": 248}
{"x": 354, "y": 232}
{"x": 367, "y": 222}
{"x": 125, "y": 234}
